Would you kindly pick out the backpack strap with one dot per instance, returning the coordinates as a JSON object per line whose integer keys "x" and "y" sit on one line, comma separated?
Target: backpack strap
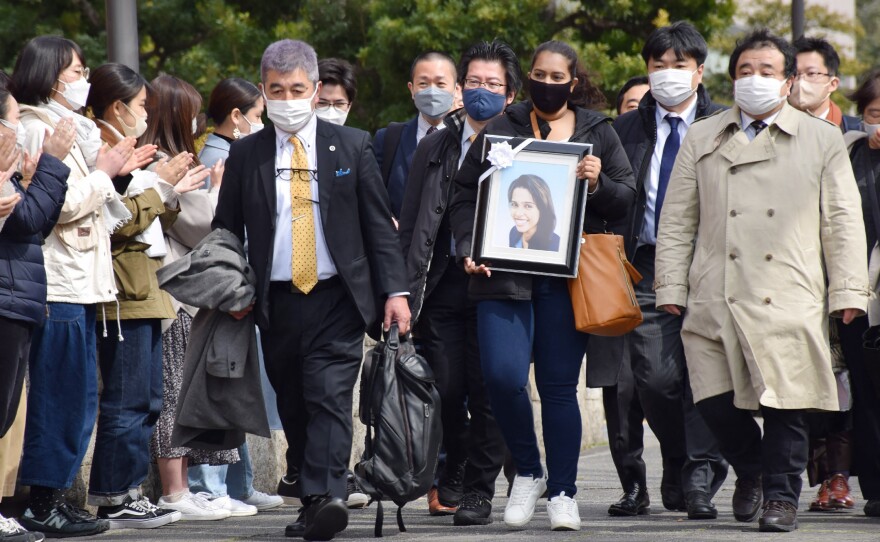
{"x": 393, "y": 133}
{"x": 380, "y": 519}
{"x": 400, "y": 524}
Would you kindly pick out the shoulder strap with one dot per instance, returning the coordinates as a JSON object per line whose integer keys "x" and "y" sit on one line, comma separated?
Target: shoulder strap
{"x": 535, "y": 128}
{"x": 872, "y": 193}
{"x": 389, "y": 148}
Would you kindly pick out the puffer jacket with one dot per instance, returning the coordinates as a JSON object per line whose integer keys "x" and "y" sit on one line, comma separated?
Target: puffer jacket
{"x": 22, "y": 275}
{"x": 77, "y": 250}
{"x": 611, "y": 200}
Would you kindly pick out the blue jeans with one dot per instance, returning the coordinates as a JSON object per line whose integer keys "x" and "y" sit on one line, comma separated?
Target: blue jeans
{"x": 510, "y": 333}
{"x": 130, "y": 404}
{"x": 235, "y": 479}
{"x": 63, "y": 396}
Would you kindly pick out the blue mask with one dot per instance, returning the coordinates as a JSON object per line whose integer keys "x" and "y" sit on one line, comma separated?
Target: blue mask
{"x": 482, "y": 104}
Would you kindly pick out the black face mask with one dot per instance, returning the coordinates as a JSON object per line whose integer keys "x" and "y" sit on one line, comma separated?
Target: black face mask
{"x": 549, "y": 98}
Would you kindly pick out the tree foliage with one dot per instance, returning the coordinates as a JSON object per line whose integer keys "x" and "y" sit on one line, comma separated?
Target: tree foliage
{"x": 203, "y": 41}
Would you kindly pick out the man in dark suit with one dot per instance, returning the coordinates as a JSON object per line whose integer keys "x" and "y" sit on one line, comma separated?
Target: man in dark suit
{"x": 432, "y": 85}
{"x": 644, "y": 373}
{"x": 309, "y": 195}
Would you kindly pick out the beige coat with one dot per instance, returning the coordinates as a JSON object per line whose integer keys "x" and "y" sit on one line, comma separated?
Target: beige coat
{"x": 77, "y": 253}
{"x": 750, "y": 235}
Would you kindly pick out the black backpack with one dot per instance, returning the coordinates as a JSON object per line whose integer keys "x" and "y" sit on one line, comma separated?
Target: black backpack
{"x": 400, "y": 406}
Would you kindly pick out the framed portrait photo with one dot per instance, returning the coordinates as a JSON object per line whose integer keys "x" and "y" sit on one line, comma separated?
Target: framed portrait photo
{"x": 530, "y": 213}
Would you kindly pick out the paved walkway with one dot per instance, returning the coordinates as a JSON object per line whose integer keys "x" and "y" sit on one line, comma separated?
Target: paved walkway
{"x": 597, "y": 488}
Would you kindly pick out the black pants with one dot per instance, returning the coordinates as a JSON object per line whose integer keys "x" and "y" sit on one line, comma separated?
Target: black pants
{"x": 312, "y": 349}
{"x": 780, "y": 457}
{"x": 661, "y": 391}
{"x": 865, "y": 411}
{"x": 447, "y": 329}
{"x": 15, "y": 338}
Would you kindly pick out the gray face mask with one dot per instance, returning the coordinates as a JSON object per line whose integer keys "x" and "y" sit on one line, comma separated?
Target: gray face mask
{"x": 433, "y": 102}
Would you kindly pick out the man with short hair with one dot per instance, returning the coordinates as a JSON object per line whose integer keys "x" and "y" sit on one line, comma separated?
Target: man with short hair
{"x": 432, "y": 84}
{"x": 338, "y": 90}
{"x": 491, "y": 77}
{"x": 644, "y": 373}
{"x": 631, "y": 93}
{"x": 326, "y": 257}
{"x": 761, "y": 239}
{"x": 818, "y": 76}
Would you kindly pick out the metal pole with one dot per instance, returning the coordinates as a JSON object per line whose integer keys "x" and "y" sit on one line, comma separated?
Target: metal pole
{"x": 798, "y": 19}
{"x": 122, "y": 34}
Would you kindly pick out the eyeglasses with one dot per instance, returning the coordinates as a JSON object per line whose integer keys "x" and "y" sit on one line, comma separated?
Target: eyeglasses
{"x": 339, "y": 104}
{"x": 813, "y": 76}
{"x": 83, "y": 73}
{"x": 476, "y": 83}
{"x": 288, "y": 174}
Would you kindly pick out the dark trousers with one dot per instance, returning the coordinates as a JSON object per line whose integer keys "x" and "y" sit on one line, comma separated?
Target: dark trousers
{"x": 511, "y": 332}
{"x": 15, "y": 336}
{"x": 447, "y": 329}
{"x": 624, "y": 419}
{"x": 865, "y": 411}
{"x": 656, "y": 356}
{"x": 780, "y": 457}
{"x": 312, "y": 349}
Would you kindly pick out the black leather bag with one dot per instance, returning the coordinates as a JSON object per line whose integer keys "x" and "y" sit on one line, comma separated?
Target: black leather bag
{"x": 400, "y": 406}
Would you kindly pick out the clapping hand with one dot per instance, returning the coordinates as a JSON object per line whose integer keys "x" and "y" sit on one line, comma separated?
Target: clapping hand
{"x": 140, "y": 158}
{"x": 216, "y": 173}
{"x": 111, "y": 161}
{"x": 59, "y": 142}
{"x": 172, "y": 170}
{"x": 192, "y": 180}
{"x": 8, "y": 203}
{"x": 9, "y": 153}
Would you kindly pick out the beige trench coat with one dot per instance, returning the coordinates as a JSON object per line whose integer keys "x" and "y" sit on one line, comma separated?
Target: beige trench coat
{"x": 750, "y": 234}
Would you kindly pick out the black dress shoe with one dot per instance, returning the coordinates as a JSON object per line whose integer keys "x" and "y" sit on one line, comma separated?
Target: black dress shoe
{"x": 634, "y": 502}
{"x": 872, "y": 508}
{"x": 473, "y": 509}
{"x": 324, "y": 517}
{"x": 671, "y": 493}
{"x": 290, "y": 490}
{"x": 699, "y": 506}
{"x": 778, "y": 517}
{"x": 298, "y": 527}
{"x": 747, "y": 499}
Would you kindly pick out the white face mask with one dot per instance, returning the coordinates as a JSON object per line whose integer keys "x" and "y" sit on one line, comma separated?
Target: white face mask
{"x": 19, "y": 130}
{"x": 331, "y": 114}
{"x": 77, "y": 92}
{"x": 290, "y": 115}
{"x": 140, "y": 124}
{"x": 756, "y": 95}
{"x": 806, "y": 95}
{"x": 195, "y": 125}
{"x": 867, "y": 128}
{"x": 671, "y": 87}
{"x": 255, "y": 126}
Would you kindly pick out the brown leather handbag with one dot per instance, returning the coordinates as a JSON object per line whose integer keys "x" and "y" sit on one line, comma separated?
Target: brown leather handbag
{"x": 602, "y": 294}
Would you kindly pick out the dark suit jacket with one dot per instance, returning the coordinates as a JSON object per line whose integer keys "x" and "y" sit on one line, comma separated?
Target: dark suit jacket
{"x": 551, "y": 242}
{"x": 354, "y": 214}
{"x": 402, "y": 160}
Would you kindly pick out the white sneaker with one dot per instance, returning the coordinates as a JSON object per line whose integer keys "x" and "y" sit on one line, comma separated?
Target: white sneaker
{"x": 195, "y": 507}
{"x": 524, "y": 494}
{"x": 10, "y": 529}
{"x": 263, "y": 501}
{"x": 563, "y": 512}
{"x": 236, "y": 508}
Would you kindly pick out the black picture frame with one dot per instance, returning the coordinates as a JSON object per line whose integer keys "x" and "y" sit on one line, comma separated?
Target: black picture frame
{"x": 508, "y": 234}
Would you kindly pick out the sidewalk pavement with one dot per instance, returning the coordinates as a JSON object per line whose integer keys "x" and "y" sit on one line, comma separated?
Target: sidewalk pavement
{"x": 597, "y": 488}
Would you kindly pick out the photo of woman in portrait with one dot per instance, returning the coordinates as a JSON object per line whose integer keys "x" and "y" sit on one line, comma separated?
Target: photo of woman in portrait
{"x": 531, "y": 208}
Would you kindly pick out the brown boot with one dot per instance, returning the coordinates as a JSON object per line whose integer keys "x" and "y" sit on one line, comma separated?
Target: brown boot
{"x": 778, "y": 517}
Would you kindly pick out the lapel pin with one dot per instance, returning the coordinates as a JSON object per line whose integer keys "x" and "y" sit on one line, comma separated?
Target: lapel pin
{"x": 332, "y": 148}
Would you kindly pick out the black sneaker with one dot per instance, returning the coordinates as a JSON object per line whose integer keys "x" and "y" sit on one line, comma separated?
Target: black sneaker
{"x": 11, "y": 531}
{"x": 473, "y": 509}
{"x": 450, "y": 488}
{"x": 356, "y": 497}
{"x": 290, "y": 491}
{"x": 135, "y": 514}
{"x": 62, "y": 522}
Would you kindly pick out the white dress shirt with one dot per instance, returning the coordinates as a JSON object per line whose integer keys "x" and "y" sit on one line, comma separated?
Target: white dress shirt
{"x": 283, "y": 243}
{"x": 424, "y": 126}
{"x": 747, "y": 123}
{"x": 466, "y": 134}
{"x": 647, "y": 236}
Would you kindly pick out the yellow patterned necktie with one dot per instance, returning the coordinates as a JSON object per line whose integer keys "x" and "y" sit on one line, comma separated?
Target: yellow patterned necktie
{"x": 304, "y": 263}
